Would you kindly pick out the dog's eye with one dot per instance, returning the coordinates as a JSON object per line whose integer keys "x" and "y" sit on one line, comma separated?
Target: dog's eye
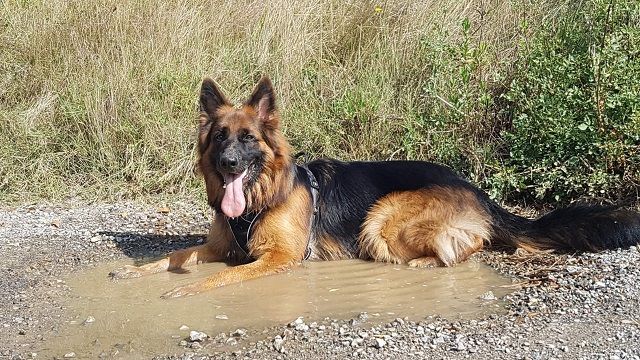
{"x": 218, "y": 136}
{"x": 248, "y": 137}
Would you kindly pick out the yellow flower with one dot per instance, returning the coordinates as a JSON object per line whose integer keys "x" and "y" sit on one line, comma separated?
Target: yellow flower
{"x": 377, "y": 9}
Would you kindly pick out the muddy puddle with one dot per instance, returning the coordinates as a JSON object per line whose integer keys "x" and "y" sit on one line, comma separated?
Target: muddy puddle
{"x": 131, "y": 320}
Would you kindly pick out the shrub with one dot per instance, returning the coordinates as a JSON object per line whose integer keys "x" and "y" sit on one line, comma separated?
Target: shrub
{"x": 575, "y": 108}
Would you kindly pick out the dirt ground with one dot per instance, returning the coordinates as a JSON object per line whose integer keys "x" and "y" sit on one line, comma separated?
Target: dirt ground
{"x": 561, "y": 306}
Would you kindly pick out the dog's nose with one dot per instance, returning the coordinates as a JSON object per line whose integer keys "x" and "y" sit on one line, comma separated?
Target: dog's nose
{"x": 229, "y": 162}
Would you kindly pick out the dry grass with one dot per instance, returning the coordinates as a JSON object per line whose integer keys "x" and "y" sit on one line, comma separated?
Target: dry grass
{"x": 98, "y": 97}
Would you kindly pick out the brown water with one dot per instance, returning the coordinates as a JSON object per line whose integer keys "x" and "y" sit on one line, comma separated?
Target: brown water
{"x": 133, "y": 321}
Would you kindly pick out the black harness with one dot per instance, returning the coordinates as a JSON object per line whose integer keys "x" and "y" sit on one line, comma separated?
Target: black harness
{"x": 242, "y": 226}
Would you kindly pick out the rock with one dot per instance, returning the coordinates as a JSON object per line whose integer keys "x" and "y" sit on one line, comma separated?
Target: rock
{"x": 69, "y": 355}
{"x": 222, "y": 317}
{"x": 356, "y": 342}
{"x": 363, "y": 316}
{"x": 488, "y": 296}
{"x": 184, "y": 328}
{"x": 296, "y": 322}
{"x": 239, "y": 333}
{"x": 379, "y": 343}
{"x": 278, "y": 344}
{"x": 197, "y": 336}
{"x": 89, "y": 320}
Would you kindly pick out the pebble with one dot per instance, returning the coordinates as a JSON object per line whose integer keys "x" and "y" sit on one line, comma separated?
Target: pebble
{"x": 197, "y": 336}
{"x": 239, "y": 332}
{"x": 379, "y": 343}
{"x": 296, "y": 322}
{"x": 488, "y": 296}
{"x": 278, "y": 344}
{"x": 460, "y": 346}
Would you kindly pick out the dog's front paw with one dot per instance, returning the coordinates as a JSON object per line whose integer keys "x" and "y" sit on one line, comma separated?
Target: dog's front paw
{"x": 180, "y": 291}
{"x": 126, "y": 272}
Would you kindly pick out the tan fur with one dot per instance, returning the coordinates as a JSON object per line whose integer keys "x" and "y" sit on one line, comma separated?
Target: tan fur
{"x": 327, "y": 248}
{"x": 278, "y": 243}
{"x": 447, "y": 224}
{"x": 285, "y": 228}
{"x": 425, "y": 262}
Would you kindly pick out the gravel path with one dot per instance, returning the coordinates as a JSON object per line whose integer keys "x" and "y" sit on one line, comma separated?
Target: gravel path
{"x": 568, "y": 307}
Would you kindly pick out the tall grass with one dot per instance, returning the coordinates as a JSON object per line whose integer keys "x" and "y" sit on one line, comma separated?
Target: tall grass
{"x": 98, "y": 97}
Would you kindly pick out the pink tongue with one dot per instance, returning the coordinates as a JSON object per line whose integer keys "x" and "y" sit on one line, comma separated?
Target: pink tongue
{"x": 233, "y": 202}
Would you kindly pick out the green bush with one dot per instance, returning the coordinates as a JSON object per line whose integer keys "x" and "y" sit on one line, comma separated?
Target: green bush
{"x": 531, "y": 100}
{"x": 575, "y": 108}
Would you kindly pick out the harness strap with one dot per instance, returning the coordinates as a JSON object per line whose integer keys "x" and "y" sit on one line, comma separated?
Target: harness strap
{"x": 315, "y": 193}
{"x": 241, "y": 230}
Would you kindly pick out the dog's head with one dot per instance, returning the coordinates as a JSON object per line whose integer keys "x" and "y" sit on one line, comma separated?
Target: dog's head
{"x": 243, "y": 156}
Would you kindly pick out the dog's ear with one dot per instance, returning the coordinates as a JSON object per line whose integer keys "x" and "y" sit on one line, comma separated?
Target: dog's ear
{"x": 211, "y": 99}
{"x": 263, "y": 100}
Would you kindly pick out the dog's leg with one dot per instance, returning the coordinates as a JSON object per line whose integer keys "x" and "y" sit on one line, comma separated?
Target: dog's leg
{"x": 278, "y": 243}
{"x": 425, "y": 262}
{"x": 267, "y": 264}
{"x": 215, "y": 249}
{"x": 175, "y": 260}
{"x": 429, "y": 227}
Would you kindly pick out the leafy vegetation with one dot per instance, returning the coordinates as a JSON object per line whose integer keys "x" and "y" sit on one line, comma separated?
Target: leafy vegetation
{"x": 533, "y": 101}
{"x": 575, "y": 107}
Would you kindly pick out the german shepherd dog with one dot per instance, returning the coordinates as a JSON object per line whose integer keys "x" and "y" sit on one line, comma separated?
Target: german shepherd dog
{"x": 271, "y": 214}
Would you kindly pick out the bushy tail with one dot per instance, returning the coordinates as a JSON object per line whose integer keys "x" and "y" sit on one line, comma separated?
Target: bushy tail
{"x": 573, "y": 229}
